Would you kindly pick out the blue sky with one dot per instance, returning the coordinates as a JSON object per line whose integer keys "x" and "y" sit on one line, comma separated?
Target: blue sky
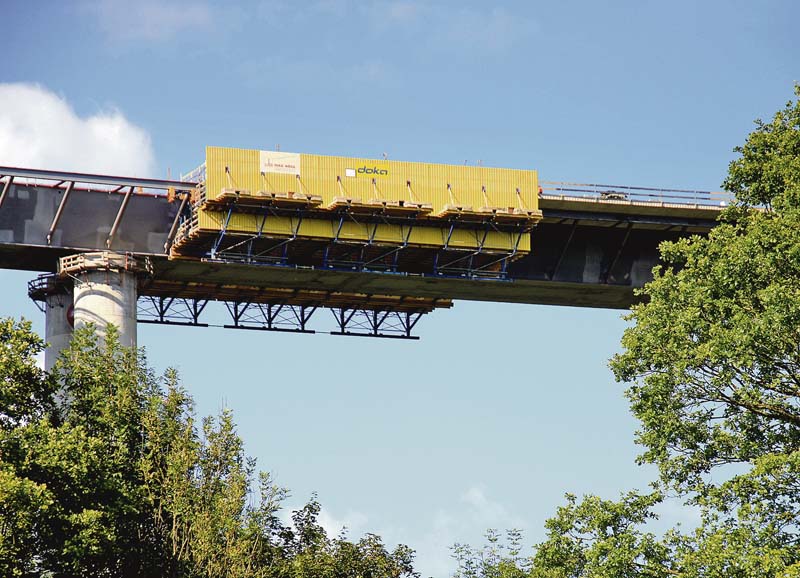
{"x": 499, "y": 409}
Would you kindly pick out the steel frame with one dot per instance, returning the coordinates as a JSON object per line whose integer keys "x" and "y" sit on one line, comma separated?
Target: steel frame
{"x": 352, "y": 255}
{"x": 121, "y": 182}
{"x": 280, "y": 316}
{"x": 270, "y": 316}
{"x": 6, "y": 187}
{"x": 605, "y": 274}
{"x": 358, "y": 322}
{"x": 480, "y": 271}
{"x": 226, "y": 254}
{"x": 59, "y": 211}
{"x": 170, "y": 310}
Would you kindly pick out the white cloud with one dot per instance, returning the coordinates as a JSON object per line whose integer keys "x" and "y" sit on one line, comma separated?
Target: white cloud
{"x": 489, "y": 512}
{"x": 354, "y": 522}
{"x": 39, "y": 129}
{"x": 152, "y": 20}
{"x": 465, "y": 520}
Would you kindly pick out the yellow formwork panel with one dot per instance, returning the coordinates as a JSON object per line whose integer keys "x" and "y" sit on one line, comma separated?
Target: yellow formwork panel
{"x": 428, "y": 237}
{"x": 368, "y": 179}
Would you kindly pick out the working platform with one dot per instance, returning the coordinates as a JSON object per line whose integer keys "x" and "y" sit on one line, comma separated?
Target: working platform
{"x": 592, "y": 245}
{"x": 358, "y": 214}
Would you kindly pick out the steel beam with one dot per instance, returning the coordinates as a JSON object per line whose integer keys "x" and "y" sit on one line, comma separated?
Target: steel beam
{"x": 118, "y": 218}
{"x": 59, "y": 212}
{"x": 174, "y": 228}
{"x": 96, "y": 179}
{"x": 6, "y": 187}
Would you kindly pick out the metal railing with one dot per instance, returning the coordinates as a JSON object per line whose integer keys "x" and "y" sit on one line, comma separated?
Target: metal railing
{"x": 632, "y": 194}
{"x": 33, "y": 177}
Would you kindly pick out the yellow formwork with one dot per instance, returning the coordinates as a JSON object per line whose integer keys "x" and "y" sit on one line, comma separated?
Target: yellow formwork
{"x": 326, "y": 230}
{"x": 368, "y": 179}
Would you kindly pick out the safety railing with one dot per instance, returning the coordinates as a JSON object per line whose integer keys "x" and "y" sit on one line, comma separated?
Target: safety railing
{"x": 105, "y": 183}
{"x": 634, "y": 194}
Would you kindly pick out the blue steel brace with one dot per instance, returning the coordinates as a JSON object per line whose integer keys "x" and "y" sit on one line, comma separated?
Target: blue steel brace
{"x": 248, "y": 241}
{"x": 394, "y": 253}
{"x": 258, "y": 236}
{"x": 470, "y": 256}
{"x": 335, "y": 240}
{"x": 370, "y": 239}
{"x": 436, "y": 267}
{"x": 342, "y": 215}
{"x": 285, "y": 243}
{"x": 222, "y": 232}
{"x": 505, "y": 259}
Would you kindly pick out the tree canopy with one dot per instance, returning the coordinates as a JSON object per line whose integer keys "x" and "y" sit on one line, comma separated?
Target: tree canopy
{"x": 104, "y": 471}
{"x": 712, "y": 359}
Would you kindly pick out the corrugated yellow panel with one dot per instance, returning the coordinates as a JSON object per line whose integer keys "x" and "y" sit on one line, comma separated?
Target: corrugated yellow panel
{"x": 436, "y": 184}
{"x": 368, "y": 179}
{"x": 430, "y": 237}
{"x": 241, "y": 169}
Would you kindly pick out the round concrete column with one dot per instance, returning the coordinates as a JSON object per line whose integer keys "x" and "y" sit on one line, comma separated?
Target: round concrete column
{"x": 57, "y": 324}
{"x": 106, "y": 297}
{"x": 104, "y": 291}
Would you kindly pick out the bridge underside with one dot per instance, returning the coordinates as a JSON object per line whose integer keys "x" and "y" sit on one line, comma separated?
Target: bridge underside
{"x": 573, "y": 265}
{"x": 583, "y": 253}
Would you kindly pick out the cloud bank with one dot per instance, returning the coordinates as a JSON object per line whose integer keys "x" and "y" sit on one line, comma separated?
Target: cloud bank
{"x": 39, "y": 129}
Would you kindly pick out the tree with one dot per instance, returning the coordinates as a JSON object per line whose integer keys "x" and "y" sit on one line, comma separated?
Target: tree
{"x": 713, "y": 363}
{"x": 104, "y": 472}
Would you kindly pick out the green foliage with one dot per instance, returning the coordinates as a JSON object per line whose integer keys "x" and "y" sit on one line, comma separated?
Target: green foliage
{"x": 602, "y": 538}
{"x": 768, "y": 171}
{"x": 104, "y": 472}
{"x": 712, "y": 355}
{"x": 713, "y": 364}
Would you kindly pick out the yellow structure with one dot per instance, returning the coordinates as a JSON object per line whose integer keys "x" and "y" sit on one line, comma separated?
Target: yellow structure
{"x": 378, "y": 203}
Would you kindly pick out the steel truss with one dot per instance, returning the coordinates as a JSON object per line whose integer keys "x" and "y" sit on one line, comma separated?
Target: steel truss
{"x": 365, "y": 255}
{"x": 370, "y": 323}
{"x": 170, "y": 310}
{"x": 281, "y": 316}
{"x": 354, "y": 255}
{"x": 477, "y": 263}
{"x": 270, "y": 316}
{"x": 243, "y": 248}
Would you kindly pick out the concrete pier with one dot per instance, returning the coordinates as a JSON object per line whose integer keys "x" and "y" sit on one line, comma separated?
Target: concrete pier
{"x": 97, "y": 288}
{"x": 58, "y": 323}
{"x": 104, "y": 297}
{"x": 104, "y": 291}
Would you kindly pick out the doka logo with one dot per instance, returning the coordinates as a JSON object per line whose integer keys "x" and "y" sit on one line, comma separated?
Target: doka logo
{"x": 365, "y": 170}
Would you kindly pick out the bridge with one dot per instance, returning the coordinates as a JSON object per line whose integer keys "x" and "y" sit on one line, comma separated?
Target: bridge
{"x": 122, "y": 250}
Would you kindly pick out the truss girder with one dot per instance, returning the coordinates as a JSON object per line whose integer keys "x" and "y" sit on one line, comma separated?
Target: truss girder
{"x": 281, "y": 316}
